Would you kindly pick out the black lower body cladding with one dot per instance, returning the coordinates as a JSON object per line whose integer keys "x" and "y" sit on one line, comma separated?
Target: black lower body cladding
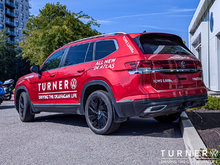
{"x": 159, "y": 107}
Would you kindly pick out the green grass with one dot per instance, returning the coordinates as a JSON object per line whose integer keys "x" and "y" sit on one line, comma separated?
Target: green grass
{"x": 212, "y": 104}
{"x": 212, "y": 155}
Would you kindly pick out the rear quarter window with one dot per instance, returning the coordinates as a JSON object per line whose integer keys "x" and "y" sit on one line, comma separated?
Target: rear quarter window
{"x": 104, "y": 48}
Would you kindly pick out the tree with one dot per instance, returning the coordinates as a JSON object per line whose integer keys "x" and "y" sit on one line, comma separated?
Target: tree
{"x": 12, "y": 66}
{"x": 7, "y": 57}
{"x": 51, "y": 29}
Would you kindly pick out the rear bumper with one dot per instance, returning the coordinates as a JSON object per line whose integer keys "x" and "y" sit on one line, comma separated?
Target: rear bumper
{"x": 159, "y": 107}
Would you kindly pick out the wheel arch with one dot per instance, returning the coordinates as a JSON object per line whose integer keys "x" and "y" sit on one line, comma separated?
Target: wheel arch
{"x": 19, "y": 90}
{"x": 92, "y": 86}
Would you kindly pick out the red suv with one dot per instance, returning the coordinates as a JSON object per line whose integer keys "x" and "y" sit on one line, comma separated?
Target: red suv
{"x": 111, "y": 77}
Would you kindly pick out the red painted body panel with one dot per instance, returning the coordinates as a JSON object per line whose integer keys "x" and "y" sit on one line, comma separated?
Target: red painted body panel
{"x": 70, "y": 80}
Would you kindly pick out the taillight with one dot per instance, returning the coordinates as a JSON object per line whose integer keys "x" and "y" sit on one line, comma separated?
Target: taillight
{"x": 157, "y": 66}
{"x": 198, "y": 65}
{"x": 131, "y": 65}
{"x": 143, "y": 64}
{"x": 146, "y": 66}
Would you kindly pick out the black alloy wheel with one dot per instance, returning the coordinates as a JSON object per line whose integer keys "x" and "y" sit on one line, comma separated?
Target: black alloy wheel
{"x": 24, "y": 108}
{"x": 99, "y": 113}
{"x": 21, "y": 106}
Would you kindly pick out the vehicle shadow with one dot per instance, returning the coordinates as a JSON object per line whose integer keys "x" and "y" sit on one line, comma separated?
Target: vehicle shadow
{"x": 149, "y": 127}
{"x": 2, "y": 107}
{"x": 67, "y": 119}
{"x": 12, "y": 100}
{"x": 133, "y": 127}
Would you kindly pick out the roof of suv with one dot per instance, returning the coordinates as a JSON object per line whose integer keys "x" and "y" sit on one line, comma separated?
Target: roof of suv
{"x": 97, "y": 36}
{"x": 109, "y": 36}
{"x": 133, "y": 35}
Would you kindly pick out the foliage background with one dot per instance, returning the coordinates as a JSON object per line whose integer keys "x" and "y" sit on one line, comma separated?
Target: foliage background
{"x": 12, "y": 65}
{"x": 54, "y": 27}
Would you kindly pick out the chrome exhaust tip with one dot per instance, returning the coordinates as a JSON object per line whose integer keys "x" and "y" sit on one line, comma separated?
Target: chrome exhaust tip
{"x": 153, "y": 109}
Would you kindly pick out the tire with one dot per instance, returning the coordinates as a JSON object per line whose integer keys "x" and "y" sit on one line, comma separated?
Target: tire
{"x": 99, "y": 113}
{"x": 168, "y": 118}
{"x": 24, "y": 109}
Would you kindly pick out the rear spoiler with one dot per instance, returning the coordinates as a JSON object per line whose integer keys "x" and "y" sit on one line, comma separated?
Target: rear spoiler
{"x": 138, "y": 39}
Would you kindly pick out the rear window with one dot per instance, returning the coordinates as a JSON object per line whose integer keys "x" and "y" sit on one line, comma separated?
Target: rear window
{"x": 159, "y": 44}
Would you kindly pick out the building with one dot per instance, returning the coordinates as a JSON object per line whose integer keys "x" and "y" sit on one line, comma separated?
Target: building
{"x": 204, "y": 41}
{"x": 13, "y": 16}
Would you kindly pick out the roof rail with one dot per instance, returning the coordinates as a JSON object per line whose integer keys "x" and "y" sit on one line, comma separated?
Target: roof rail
{"x": 97, "y": 36}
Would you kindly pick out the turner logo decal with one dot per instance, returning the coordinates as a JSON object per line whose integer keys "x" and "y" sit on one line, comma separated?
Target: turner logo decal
{"x": 45, "y": 96}
{"x": 73, "y": 83}
{"x": 58, "y": 89}
{"x": 52, "y": 86}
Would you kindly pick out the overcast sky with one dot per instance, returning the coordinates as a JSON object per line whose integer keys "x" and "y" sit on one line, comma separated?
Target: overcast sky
{"x": 131, "y": 16}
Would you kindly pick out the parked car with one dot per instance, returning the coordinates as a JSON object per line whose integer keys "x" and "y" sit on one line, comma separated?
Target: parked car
{"x": 111, "y": 77}
{"x": 2, "y": 92}
{"x": 8, "y": 86}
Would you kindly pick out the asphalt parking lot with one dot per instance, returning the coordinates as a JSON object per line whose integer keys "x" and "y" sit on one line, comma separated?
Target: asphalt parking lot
{"x": 66, "y": 139}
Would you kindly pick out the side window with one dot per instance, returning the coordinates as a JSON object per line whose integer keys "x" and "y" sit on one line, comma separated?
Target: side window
{"x": 89, "y": 55}
{"x": 53, "y": 61}
{"x": 104, "y": 48}
{"x": 76, "y": 54}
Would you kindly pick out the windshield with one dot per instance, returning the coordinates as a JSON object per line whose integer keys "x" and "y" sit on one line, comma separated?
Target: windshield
{"x": 160, "y": 44}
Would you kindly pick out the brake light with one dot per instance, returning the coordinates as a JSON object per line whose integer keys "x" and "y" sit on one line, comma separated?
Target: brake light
{"x": 138, "y": 64}
{"x": 147, "y": 66}
{"x": 131, "y": 65}
{"x": 198, "y": 65}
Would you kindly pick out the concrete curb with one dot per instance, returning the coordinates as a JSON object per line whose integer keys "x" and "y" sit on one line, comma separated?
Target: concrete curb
{"x": 192, "y": 140}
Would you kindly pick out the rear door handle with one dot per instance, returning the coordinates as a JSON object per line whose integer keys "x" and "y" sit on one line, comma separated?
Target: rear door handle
{"x": 80, "y": 71}
{"x": 52, "y": 75}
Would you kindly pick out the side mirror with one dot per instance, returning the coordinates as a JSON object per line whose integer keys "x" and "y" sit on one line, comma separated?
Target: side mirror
{"x": 35, "y": 69}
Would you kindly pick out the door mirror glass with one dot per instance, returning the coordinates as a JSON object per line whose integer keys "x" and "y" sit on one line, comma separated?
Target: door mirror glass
{"x": 35, "y": 69}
